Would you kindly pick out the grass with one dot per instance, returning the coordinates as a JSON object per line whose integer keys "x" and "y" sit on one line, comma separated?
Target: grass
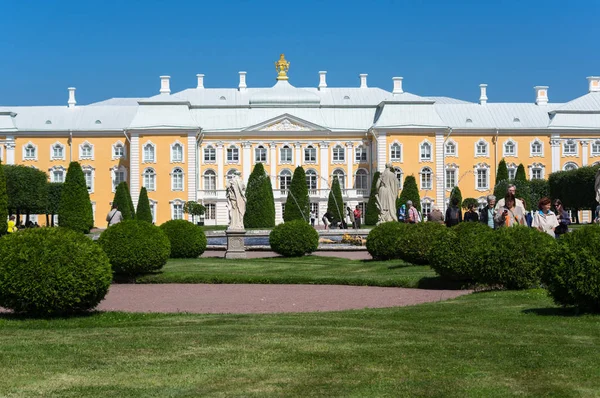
{"x": 494, "y": 344}
{"x": 309, "y": 269}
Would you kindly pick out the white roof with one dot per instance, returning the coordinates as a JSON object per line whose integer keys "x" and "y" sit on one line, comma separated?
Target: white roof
{"x": 397, "y": 115}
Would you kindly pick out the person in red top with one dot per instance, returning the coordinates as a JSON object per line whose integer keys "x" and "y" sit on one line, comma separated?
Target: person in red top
{"x": 413, "y": 214}
{"x": 357, "y": 216}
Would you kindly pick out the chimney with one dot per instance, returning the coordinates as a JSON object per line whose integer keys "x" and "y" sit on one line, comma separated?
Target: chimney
{"x": 397, "y": 85}
{"x": 242, "y": 86}
{"x": 164, "y": 85}
{"x": 72, "y": 101}
{"x": 200, "y": 80}
{"x": 594, "y": 83}
{"x": 483, "y": 96}
{"x": 541, "y": 95}
{"x": 322, "y": 82}
{"x": 363, "y": 80}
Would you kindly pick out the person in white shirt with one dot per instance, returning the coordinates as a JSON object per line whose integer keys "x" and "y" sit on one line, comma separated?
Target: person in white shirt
{"x": 114, "y": 216}
{"x": 544, "y": 219}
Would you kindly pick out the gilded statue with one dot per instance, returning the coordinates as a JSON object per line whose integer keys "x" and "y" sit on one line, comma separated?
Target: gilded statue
{"x": 282, "y": 66}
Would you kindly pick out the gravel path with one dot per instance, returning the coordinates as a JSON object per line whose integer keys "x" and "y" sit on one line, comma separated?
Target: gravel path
{"x": 250, "y": 298}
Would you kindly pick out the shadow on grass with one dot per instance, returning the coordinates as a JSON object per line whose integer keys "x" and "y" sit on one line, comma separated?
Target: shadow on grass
{"x": 557, "y": 311}
{"x": 11, "y": 316}
{"x": 439, "y": 283}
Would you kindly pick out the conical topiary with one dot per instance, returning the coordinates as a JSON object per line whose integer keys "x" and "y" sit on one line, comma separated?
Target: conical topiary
{"x": 3, "y": 203}
{"x": 372, "y": 213}
{"x": 297, "y": 205}
{"x": 521, "y": 176}
{"x": 456, "y": 194}
{"x": 410, "y": 192}
{"x": 502, "y": 173}
{"x": 335, "y": 203}
{"x": 143, "y": 212}
{"x": 75, "y": 208}
{"x": 123, "y": 201}
{"x": 260, "y": 204}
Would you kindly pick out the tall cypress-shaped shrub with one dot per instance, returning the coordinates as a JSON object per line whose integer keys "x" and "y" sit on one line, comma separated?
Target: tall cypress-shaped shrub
{"x": 456, "y": 194}
{"x": 521, "y": 176}
{"x": 123, "y": 200}
{"x": 75, "y": 208}
{"x": 260, "y": 205}
{"x": 372, "y": 213}
{"x": 3, "y": 202}
{"x": 410, "y": 192}
{"x": 143, "y": 212}
{"x": 297, "y": 205}
{"x": 335, "y": 203}
{"x": 53, "y": 203}
{"x": 502, "y": 173}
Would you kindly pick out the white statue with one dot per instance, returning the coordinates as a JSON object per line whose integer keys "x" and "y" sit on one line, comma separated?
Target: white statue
{"x": 236, "y": 201}
{"x": 387, "y": 193}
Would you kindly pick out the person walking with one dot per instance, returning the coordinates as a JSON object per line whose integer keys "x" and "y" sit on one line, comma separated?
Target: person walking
{"x": 413, "y": 213}
{"x": 471, "y": 215}
{"x": 312, "y": 218}
{"x": 349, "y": 217}
{"x": 327, "y": 217}
{"x": 487, "y": 214}
{"x": 436, "y": 215}
{"x": 357, "y": 217}
{"x": 114, "y": 216}
{"x": 453, "y": 213}
{"x": 402, "y": 213}
{"x": 12, "y": 225}
{"x": 544, "y": 219}
{"x": 512, "y": 189}
{"x": 563, "y": 219}
{"x": 597, "y": 215}
{"x": 510, "y": 215}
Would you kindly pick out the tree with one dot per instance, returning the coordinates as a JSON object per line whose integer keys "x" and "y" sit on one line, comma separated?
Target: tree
{"x": 372, "y": 213}
{"x": 520, "y": 176}
{"x": 3, "y": 203}
{"x": 143, "y": 212}
{"x": 539, "y": 189}
{"x": 75, "y": 208}
{"x": 26, "y": 189}
{"x": 410, "y": 192}
{"x": 456, "y": 194}
{"x": 260, "y": 204}
{"x": 123, "y": 201}
{"x": 54, "y": 190}
{"x": 195, "y": 209}
{"x": 297, "y": 205}
{"x": 335, "y": 203}
{"x": 502, "y": 173}
{"x": 575, "y": 188}
{"x": 470, "y": 201}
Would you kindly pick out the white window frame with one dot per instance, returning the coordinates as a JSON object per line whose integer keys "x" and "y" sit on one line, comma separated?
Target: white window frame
{"x": 423, "y": 184}
{"x": 57, "y": 144}
{"x": 339, "y": 172}
{"x": 485, "y": 168}
{"x": 234, "y": 151}
{"x": 230, "y": 173}
{"x": 426, "y": 206}
{"x": 573, "y": 143}
{"x": 534, "y": 154}
{"x": 338, "y": 154}
{"x": 310, "y": 173}
{"x": 454, "y": 144}
{"x": 486, "y": 153}
{"x": 210, "y": 174}
{"x": 114, "y": 150}
{"x": 361, "y": 155}
{"x": 451, "y": 168}
{"x": 310, "y": 154}
{"x": 113, "y": 173}
{"x": 364, "y": 176}
{"x": 207, "y": 154}
{"x": 398, "y": 171}
{"x": 570, "y": 166}
{"x": 89, "y": 169}
{"x": 86, "y": 156}
{"x": 145, "y": 158}
{"x": 175, "y": 203}
{"x": 399, "y": 152}
{"x": 514, "y": 154}
{"x": 596, "y": 151}
{"x": 211, "y": 211}
{"x": 286, "y": 150}
{"x": 284, "y": 175}
{"x": 149, "y": 172}
{"x": 35, "y": 151}
{"x": 512, "y": 169}
{"x": 537, "y": 166}
{"x": 172, "y": 152}
{"x": 55, "y": 169}
{"x": 175, "y": 173}
{"x": 260, "y": 150}
{"x": 422, "y": 157}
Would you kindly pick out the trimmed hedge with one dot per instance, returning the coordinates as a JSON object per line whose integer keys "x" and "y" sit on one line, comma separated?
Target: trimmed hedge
{"x": 335, "y": 202}
{"x": 415, "y": 243}
{"x": 382, "y": 241}
{"x": 52, "y": 271}
{"x": 75, "y": 208}
{"x": 3, "y": 203}
{"x": 143, "y": 212}
{"x": 294, "y": 239}
{"x": 187, "y": 240}
{"x": 410, "y": 191}
{"x": 260, "y": 205}
{"x": 297, "y": 204}
{"x": 515, "y": 257}
{"x": 573, "y": 275}
{"x": 135, "y": 247}
{"x": 123, "y": 201}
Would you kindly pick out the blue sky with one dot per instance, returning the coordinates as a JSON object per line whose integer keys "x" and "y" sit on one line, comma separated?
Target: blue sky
{"x": 120, "y": 48}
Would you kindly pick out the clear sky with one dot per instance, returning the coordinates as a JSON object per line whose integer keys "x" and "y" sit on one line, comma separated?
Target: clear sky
{"x": 120, "y": 48}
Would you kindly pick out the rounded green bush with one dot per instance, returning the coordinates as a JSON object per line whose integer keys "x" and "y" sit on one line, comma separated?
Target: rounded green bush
{"x": 572, "y": 276}
{"x": 135, "y": 247}
{"x": 187, "y": 240}
{"x": 455, "y": 255}
{"x": 382, "y": 240}
{"x": 294, "y": 238}
{"x": 515, "y": 257}
{"x": 415, "y": 243}
{"x": 52, "y": 271}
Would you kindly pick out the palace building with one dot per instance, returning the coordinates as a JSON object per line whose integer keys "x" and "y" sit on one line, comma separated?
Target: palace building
{"x": 183, "y": 146}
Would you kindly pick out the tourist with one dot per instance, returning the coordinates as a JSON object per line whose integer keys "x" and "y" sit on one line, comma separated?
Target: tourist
{"x": 327, "y": 218}
{"x": 512, "y": 189}
{"x": 544, "y": 219}
{"x": 436, "y": 215}
{"x": 453, "y": 213}
{"x": 471, "y": 215}
{"x": 413, "y": 213}
{"x": 597, "y": 215}
{"x": 510, "y": 214}
{"x": 12, "y": 226}
{"x": 114, "y": 216}
{"x": 563, "y": 219}
{"x": 528, "y": 216}
{"x": 357, "y": 217}
{"x": 312, "y": 218}
{"x": 488, "y": 213}
{"x": 402, "y": 213}
{"x": 349, "y": 217}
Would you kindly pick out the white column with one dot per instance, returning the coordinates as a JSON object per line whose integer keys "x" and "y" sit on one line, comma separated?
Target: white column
{"x": 298, "y": 154}
{"x": 10, "y": 150}
{"x": 324, "y": 162}
{"x": 584, "y": 153}
{"x": 381, "y": 151}
{"x": 349, "y": 160}
{"x": 555, "y": 150}
{"x": 440, "y": 192}
{"x": 220, "y": 167}
{"x": 246, "y": 161}
{"x": 273, "y": 161}
{"x": 134, "y": 168}
{"x": 192, "y": 152}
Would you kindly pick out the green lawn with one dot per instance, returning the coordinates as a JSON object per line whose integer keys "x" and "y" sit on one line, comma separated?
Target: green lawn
{"x": 495, "y": 344}
{"x": 309, "y": 269}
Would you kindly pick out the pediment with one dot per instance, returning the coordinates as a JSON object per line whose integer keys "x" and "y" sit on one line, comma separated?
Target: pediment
{"x": 286, "y": 122}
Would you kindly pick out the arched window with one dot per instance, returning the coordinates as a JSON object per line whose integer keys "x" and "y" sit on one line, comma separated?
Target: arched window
{"x": 86, "y": 151}
{"x": 177, "y": 153}
{"x": 149, "y": 153}
{"x": 260, "y": 154}
{"x": 285, "y": 180}
{"x": 210, "y": 154}
{"x": 425, "y": 150}
{"x": 210, "y": 180}
{"x": 341, "y": 176}
{"x": 596, "y": 148}
{"x": 339, "y": 154}
{"x": 570, "y": 166}
{"x": 58, "y": 151}
{"x": 310, "y": 154}
{"x": 362, "y": 181}
{"x": 311, "y": 179}
{"x": 230, "y": 174}
{"x": 536, "y": 148}
{"x": 426, "y": 178}
{"x": 450, "y": 148}
{"x": 399, "y": 176}
{"x": 119, "y": 175}
{"x": 149, "y": 179}
{"x": 118, "y": 150}
{"x": 481, "y": 148}
{"x": 510, "y": 148}
{"x": 360, "y": 154}
{"x": 177, "y": 209}
{"x": 177, "y": 179}
{"x": 233, "y": 154}
{"x": 570, "y": 147}
{"x": 396, "y": 152}
{"x": 450, "y": 176}
{"x": 285, "y": 154}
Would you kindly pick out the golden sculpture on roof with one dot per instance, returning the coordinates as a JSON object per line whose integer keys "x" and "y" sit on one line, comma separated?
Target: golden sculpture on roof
{"x": 282, "y": 66}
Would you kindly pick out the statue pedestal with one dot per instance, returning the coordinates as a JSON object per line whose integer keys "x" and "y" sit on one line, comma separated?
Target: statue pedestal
{"x": 235, "y": 244}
